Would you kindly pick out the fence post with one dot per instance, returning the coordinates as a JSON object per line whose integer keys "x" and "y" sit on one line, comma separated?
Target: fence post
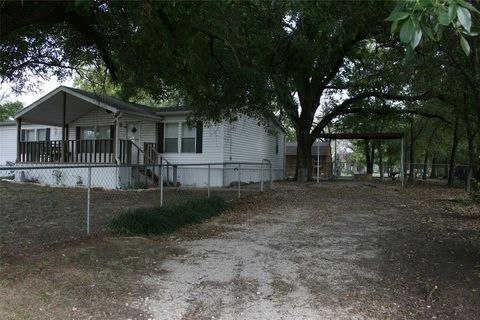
{"x": 174, "y": 172}
{"x": 89, "y": 197}
{"x": 161, "y": 185}
{"x": 271, "y": 176}
{"x": 208, "y": 187}
{"x": 160, "y": 179}
{"x": 261, "y": 177}
{"x": 239, "y": 168}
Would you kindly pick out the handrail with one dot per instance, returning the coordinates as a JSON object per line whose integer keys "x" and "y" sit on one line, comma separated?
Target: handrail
{"x": 141, "y": 150}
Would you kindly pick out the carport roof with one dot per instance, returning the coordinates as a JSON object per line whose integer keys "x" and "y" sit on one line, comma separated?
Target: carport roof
{"x": 49, "y": 109}
{"x": 371, "y": 135}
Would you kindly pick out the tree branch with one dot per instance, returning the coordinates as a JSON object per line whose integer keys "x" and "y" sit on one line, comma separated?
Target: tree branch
{"x": 343, "y": 108}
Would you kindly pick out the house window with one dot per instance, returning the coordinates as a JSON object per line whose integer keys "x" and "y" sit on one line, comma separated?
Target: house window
{"x": 41, "y": 134}
{"x": 95, "y": 133}
{"x": 103, "y": 133}
{"x": 87, "y": 133}
{"x": 188, "y": 138}
{"x": 28, "y": 134}
{"x": 171, "y": 137}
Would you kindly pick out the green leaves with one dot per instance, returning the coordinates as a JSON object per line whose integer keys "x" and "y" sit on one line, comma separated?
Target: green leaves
{"x": 414, "y": 18}
{"x": 406, "y": 31}
{"x": 444, "y": 18}
{"x": 465, "y": 18}
{"x": 464, "y": 44}
{"x": 399, "y": 15}
{"x": 8, "y": 109}
{"x": 417, "y": 36}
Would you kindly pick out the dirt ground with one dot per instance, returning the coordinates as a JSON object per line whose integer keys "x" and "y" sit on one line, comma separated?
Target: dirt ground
{"x": 334, "y": 251}
{"x": 337, "y": 250}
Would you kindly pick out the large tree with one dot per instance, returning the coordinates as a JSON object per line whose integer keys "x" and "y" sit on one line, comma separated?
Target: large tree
{"x": 257, "y": 58}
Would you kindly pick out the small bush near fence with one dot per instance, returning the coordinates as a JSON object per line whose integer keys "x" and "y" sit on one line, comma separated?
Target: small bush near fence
{"x": 160, "y": 220}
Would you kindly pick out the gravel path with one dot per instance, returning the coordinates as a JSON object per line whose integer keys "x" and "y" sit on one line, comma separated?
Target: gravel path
{"x": 328, "y": 251}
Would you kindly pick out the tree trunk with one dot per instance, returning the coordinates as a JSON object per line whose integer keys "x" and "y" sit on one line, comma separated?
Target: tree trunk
{"x": 368, "y": 156}
{"x": 425, "y": 165}
{"x": 433, "y": 173}
{"x": 411, "y": 175}
{"x": 473, "y": 172}
{"x": 304, "y": 158}
{"x": 427, "y": 154}
{"x": 451, "y": 171}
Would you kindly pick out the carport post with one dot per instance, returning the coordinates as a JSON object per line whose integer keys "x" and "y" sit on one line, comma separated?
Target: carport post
{"x": 89, "y": 197}
{"x": 335, "y": 159}
{"x": 402, "y": 176}
{"x": 64, "y": 130}
{"x": 19, "y": 138}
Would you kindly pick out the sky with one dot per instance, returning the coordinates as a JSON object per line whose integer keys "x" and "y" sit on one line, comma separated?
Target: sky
{"x": 32, "y": 96}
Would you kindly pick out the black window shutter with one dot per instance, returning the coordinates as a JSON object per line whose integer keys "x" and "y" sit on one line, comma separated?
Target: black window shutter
{"x": 112, "y": 132}
{"x": 199, "y": 140}
{"x": 47, "y": 134}
{"x": 160, "y": 136}
{"x": 23, "y": 135}
{"x": 77, "y": 138}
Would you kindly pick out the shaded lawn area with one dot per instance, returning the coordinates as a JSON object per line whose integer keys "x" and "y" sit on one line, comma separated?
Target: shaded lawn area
{"x": 429, "y": 261}
{"x": 33, "y": 217}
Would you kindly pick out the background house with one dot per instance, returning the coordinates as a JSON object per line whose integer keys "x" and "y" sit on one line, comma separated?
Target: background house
{"x": 96, "y": 129}
{"x": 325, "y": 164}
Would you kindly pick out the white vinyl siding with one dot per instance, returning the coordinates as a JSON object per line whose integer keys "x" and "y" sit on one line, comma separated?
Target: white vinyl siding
{"x": 8, "y": 139}
{"x": 247, "y": 140}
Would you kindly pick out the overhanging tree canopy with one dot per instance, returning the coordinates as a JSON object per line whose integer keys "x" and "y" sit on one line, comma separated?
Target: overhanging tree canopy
{"x": 290, "y": 58}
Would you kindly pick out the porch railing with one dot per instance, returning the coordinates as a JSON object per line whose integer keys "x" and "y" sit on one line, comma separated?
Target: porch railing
{"x": 73, "y": 151}
{"x": 86, "y": 151}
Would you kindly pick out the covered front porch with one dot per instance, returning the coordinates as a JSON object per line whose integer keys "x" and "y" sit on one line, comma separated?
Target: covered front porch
{"x": 93, "y": 130}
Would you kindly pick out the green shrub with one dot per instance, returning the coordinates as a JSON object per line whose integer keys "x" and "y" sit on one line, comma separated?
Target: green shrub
{"x": 160, "y": 220}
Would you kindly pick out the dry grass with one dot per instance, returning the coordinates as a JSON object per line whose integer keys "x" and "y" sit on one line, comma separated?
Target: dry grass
{"x": 94, "y": 279}
{"x": 49, "y": 274}
{"x": 50, "y": 269}
{"x": 35, "y": 217}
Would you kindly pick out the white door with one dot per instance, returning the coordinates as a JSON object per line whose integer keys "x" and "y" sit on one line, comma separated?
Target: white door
{"x": 133, "y": 134}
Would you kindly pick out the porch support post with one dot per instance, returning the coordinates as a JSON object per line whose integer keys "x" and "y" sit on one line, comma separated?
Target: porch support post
{"x": 19, "y": 137}
{"x": 117, "y": 141}
{"x": 64, "y": 127}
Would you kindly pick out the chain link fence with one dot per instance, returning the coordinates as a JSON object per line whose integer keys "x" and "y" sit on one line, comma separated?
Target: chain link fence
{"x": 419, "y": 171}
{"x": 43, "y": 204}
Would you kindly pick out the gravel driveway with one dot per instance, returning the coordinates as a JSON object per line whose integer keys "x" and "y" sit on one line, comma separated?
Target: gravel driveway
{"x": 339, "y": 250}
